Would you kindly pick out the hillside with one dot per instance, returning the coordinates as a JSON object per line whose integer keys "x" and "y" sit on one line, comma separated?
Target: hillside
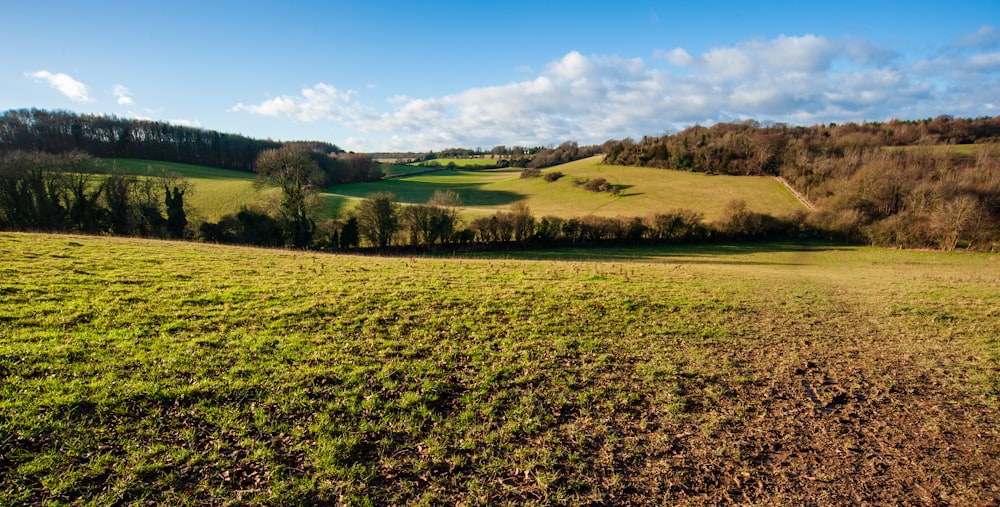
{"x": 645, "y": 191}
{"x": 139, "y": 371}
{"x": 214, "y": 192}
{"x": 925, "y": 183}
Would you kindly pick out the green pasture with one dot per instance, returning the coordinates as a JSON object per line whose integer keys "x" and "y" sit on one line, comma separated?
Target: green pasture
{"x": 396, "y": 170}
{"x": 962, "y": 149}
{"x": 461, "y": 162}
{"x": 170, "y": 373}
{"x": 214, "y": 192}
{"x": 644, "y": 191}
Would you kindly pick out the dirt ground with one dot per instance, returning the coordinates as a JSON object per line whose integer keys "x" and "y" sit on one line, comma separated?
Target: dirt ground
{"x": 819, "y": 433}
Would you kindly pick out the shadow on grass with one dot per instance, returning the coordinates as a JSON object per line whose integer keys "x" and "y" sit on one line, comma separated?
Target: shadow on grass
{"x": 418, "y": 192}
{"x": 708, "y": 253}
{"x": 332, "y": 206}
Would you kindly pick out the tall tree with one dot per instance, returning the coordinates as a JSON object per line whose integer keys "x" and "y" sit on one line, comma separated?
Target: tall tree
{"x": 378, "y": 218}
{"x": 292, "y": 168}
{"x": 349, "y": 236}
{"x": 176, "y": 217}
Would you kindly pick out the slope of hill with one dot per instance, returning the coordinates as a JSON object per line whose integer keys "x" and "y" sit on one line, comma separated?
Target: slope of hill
{"x": 214, "y": 192}
{"x": 139, "y": 371}
{"x": 644, "y": 191}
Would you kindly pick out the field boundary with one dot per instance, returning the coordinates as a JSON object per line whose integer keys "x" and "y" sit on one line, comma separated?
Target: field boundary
{"x": 798, "y": 195}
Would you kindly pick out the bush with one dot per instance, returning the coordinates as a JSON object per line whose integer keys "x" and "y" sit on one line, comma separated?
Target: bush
{"x": 553, "y": 176}
{"x": 597, "y": 185}
{"x": 531, "y": 173}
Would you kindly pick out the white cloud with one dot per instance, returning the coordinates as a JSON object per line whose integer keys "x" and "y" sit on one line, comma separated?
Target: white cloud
{"x": 729, "y": 62}
{"x": 989, "y": 61}
{"x": 185, "y": 123}
{"x": 591, "y": 98}
{"x": 806, "y": 53}
{"x": 572, "y": 66}
{"x": 320, "y": 102}
{"x": 141, "y": 117}
{"x": 66, "y": 85}
{"x": 987, "y": 37}
{"x": 122, "y": 94}
{"x": 676, "y": 56}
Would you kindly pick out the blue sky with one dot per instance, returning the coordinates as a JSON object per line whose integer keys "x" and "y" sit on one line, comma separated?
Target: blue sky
{"x": 395, "y": 76}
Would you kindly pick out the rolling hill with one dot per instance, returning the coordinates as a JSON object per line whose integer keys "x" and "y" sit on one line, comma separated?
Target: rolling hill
{"x": 644, "y": 191}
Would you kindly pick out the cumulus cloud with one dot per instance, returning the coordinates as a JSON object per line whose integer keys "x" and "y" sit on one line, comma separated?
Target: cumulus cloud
{"x": 987, "y": 37}
{"x": 186, "y": 123}
{"x": 676, "y": 56}
{"x": 122, "y": 95}
{"x": 591, "y": 98}
{"x": 806, "y": 53}
{"x": 594, "y": 98}
{"x": 320, "y": 102}
{"x": 66, "y": 85}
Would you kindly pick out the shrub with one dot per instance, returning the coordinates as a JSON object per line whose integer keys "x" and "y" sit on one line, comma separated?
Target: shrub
{"x": 531, "y": 173}
{"x": 597, "y": 185}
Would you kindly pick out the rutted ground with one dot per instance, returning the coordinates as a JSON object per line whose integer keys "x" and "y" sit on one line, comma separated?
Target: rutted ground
{"x": 142, "y": 371}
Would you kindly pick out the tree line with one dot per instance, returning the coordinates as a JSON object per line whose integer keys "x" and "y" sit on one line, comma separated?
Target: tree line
{"x": 381, "y": 224}
{"x": 61, "y": 132}
{"x": 899, "y": 183}
{"x": 537, "y": 157}
{"x": 69, "y": 193}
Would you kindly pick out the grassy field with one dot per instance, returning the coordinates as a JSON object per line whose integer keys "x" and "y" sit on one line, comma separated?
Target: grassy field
{"x": 397, "y": 170}
{"x": 645, "y": 191}
{"x": 963, "y": 149}
{"x": 463, "y": 162}
{"x": 214, "y": 192}
{"x": 149, "y": 372}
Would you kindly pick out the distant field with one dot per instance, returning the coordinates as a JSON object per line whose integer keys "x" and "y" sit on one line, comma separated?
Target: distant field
{"x": 395, "y": 170}
{"x": 165, "y": 373}
{"x": 215, "y": 192}
{"x": 645, "y": 191}
{"x": 461, "y": 162}
{"x": 965, "y": 149}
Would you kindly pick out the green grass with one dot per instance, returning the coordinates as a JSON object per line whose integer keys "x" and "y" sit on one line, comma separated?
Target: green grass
{"x": 138, "y": 371}
{"x": 396, "y": 170}
{"x": 462, "y": 162}
{"x": 214, "y": 192}
{"x": 645, "y": 191}
{"x": 217, "y": 192}
{"x": 963, "y": 149}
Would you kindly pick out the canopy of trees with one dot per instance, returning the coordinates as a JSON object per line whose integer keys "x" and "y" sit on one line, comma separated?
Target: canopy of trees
{"x": 45, "y": 192}
{"x": 894, "y": 184}
{"x": 110, "y": 137}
